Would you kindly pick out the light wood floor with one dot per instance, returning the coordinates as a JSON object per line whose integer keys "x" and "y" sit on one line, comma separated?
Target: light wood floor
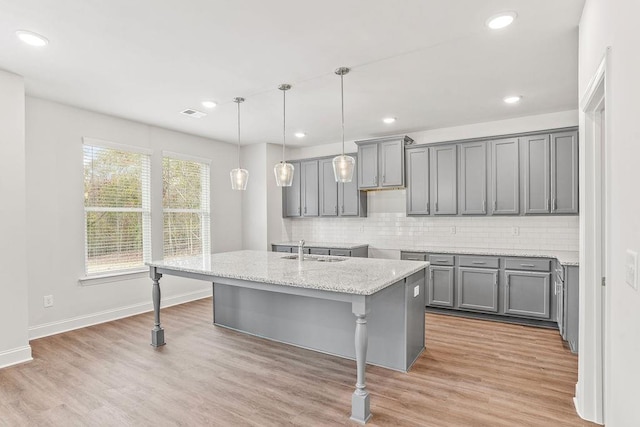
{"x": 473, "y": 373}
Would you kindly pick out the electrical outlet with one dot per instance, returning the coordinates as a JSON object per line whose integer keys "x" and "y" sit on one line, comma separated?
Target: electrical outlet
{"x": 48, "y": 301}
{"x": 515, "y": 231}
{"x": 362, "y": 228}
{"x": 416, "y": 291}
{"x": 453, "y": 230}
{"x": 631, "y": 269}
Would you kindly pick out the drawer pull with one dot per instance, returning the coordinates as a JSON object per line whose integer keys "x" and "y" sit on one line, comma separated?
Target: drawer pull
{"x": 414, "y": 259}
{"x": 527, "y": 265}
{"x": 442, "y": 260}
{"x": 478, "y": 262}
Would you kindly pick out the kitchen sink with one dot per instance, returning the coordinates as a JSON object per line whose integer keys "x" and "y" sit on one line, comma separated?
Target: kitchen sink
{"x": 318, "y": 258}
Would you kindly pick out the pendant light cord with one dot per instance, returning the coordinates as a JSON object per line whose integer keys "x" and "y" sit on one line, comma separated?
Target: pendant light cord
{"x": 342, "y": 99}
{"x": 238, "y": 135}
{"x": 284, "y": 121}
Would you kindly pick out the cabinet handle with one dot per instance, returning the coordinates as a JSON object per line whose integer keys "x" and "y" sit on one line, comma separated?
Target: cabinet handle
{"x": 495, "y": 205}
{"x": 436, "y": 206}
{"x": 305, "y": 209}
{"x": 478, "y": 262}
{"x": 548, "y": 205}
{"x": 484, "y": 206}
{"x": 442, "y": 260}
{"x": 335, "y": 208}
{"x": 342, "y": 208}
{"x": 527, "y": 265}
{"x": 375, "y": 179}
{"x": 554, "y": 203}
{"x": 413, "y": 259}
{"x": 427, "y": 207}
{"x": 298, "y": 210}
{"x": 384, "y": 178}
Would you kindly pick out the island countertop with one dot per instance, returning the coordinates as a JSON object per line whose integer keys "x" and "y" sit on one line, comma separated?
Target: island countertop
{"x": 358, "y": 276}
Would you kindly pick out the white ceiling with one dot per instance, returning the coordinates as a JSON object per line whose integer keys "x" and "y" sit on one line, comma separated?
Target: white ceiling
{"x": 430, "y": 63}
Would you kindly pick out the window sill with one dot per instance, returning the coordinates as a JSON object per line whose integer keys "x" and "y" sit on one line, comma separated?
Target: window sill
{"x": 99, "y": 279}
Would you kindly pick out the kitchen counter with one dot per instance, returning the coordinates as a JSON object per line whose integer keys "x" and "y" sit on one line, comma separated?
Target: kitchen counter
{"x": 567, "y": 258}
{"x": 324, "y": 245}
{"x": 357, "y": 276}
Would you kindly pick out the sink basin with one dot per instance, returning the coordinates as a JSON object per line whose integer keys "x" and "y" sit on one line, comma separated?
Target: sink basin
{"x": 318, "y": 258}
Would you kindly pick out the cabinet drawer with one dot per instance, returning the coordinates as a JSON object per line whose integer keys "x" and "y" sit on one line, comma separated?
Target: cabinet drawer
{"x": 528, "y": 264}
{"x": 340, "y": 252}
{"x": 318, "y": 251}
{"x": 478, "y": 261}
{"x": 441, "y": 259}
{"x": 413, "y": 256}
{"x": 282, "y": 249}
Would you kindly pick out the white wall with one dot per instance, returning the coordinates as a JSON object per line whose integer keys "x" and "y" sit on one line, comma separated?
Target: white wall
{"x": 14, "y": 345}
{"x": 254, "y": 198}
{"x": 388, "y": 230}
{"x": 55, "y": 236}
{"x": 615, "y": 23}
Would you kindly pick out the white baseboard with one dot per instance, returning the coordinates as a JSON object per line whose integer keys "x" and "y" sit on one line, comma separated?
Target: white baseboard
{"x": 15, "y": 356}
{"x": 53, "y": 328}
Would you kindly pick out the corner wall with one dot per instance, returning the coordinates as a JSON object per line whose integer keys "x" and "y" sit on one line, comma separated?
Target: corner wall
{"x": 14, "y": 343}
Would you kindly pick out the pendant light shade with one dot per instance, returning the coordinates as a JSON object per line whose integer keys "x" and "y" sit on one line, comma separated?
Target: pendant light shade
{"x": 343, "y": 165}
{"x": 239, "y": 176}
{"x": 283, "y": 170}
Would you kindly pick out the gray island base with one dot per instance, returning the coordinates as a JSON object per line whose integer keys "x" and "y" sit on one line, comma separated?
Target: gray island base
{"x": 313, "y": 304}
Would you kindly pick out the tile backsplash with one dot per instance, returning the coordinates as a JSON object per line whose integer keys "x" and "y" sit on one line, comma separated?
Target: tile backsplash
{"x": 388, "y": 228}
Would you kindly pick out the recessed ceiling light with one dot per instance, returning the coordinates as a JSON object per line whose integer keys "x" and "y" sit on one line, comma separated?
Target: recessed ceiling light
{"x": 32, "y": 38}
{"x": 512, "y": 99}
{"x": 300, "y": 134}
{"x": 389, "y": 120}
{"x": 501, "y": 20}
{"x": 209, "y": 104}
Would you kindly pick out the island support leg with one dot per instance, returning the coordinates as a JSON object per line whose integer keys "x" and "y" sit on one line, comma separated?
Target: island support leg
{"x": 157, "y": 333}
{"x": 360, "y": 408}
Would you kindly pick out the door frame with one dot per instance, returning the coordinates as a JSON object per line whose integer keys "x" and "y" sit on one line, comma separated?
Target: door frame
{"x": 593, "y": 347}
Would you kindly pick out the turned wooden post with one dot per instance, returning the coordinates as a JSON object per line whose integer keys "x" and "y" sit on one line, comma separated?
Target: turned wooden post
{"x": 157, "y": 333}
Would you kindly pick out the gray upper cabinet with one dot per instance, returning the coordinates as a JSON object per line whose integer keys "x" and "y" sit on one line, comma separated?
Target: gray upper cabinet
{"x": 417, "y": 181}
{"x": 368, "y": 166}
{"x": 309, "y": 187}
{"x": 473, "y": 178}
{"x": 505, "y": 177}
{"x": 537, "y": 175}
{"x": 444, "y": 184}
{"x": 328, "y": 188}
{"x": 564, "y": 173}
{"x": 391, "y": 163}
{"x": 527, "y": 294}
{"x": 381, "y": 162}
{"x": 351, "y": 201}
{"x": 291, "y": 206}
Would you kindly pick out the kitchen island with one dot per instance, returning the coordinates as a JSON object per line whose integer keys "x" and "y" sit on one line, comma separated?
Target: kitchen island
{"x": 321, "y": 303}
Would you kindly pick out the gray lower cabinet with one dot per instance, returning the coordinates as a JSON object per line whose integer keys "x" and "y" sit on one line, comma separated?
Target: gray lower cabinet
{"x": 444, "y": 179}
{"x": 441, "y": 285}
{"x": 472, "y": 188}
{"x": 291, "y": 206}
{"x": 564, "y": 173}
{"x": 417, "y": 162}
{"x": 309, "y": 187}
{"x": 478, "y": 289}
{"x": 505, "y": 177}
{"x": 328, "y": 188}
{"x": 527, "y": 294}
{"x": 572, "y": 296}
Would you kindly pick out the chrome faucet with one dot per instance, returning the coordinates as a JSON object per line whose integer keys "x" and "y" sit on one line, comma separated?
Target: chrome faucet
{"x": 301, "y": 250}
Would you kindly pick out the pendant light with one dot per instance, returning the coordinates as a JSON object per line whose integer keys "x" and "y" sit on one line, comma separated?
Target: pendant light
{"x": 283, "y": 170}
{"x": 239, "y": 177}
{"x": 343, "y": 165}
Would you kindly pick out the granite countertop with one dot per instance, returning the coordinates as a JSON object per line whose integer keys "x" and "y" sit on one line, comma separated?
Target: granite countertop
{"x": 325, "y": 245}
{"x": 568, "y": 258}
{"x": 359, "y": 276}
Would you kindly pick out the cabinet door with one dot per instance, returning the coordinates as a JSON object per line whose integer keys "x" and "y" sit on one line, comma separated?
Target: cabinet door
{"x": 368, "y": 166}
{"x": 444, "y": 183}
{"x": 505, "y": 177}
{"x": 417, "y": 181}
{"x": 478, "y": 289}
{"x": 473, "y": 178}
{"x": 564, "y": 173}
{"x": 328, "y": 188}
{"x": 536, "y": 174}
{"x": 391, "y": 163}
{"x": 559, "y": 291}
{"x": 309, "y": 185}
{"x": 291, "y": 195}
{"x": 349, "y": 197}
{"x": 527, "y": 294}
{"x": 441, "y": 281}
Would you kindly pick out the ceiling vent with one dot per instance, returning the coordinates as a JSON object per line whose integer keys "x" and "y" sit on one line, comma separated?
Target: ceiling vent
{"x": 193, "y": 113}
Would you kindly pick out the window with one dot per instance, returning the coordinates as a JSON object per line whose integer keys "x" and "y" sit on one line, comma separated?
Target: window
{"x": 117, "y": 208}
{"x": 185, "y": 202}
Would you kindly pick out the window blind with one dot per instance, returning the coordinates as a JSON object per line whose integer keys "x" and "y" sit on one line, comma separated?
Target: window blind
{"x": 117, "y": 209}
{"x": 186, "y": 207}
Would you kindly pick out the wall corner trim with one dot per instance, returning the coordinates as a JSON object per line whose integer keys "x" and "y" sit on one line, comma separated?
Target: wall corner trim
{"x": 15, "y": 356}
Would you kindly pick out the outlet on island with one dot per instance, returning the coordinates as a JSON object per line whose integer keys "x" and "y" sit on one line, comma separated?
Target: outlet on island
{"x": 48, "y": 301}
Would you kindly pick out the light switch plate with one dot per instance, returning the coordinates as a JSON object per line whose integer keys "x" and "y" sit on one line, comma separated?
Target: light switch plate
{"x": 416, "y": 291}
{"x": 631, "y": 269}
{"x": 515, "y": 231}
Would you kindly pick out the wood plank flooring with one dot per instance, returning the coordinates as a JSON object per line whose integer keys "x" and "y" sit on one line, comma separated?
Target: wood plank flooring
{"x": 473, "y": 373}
